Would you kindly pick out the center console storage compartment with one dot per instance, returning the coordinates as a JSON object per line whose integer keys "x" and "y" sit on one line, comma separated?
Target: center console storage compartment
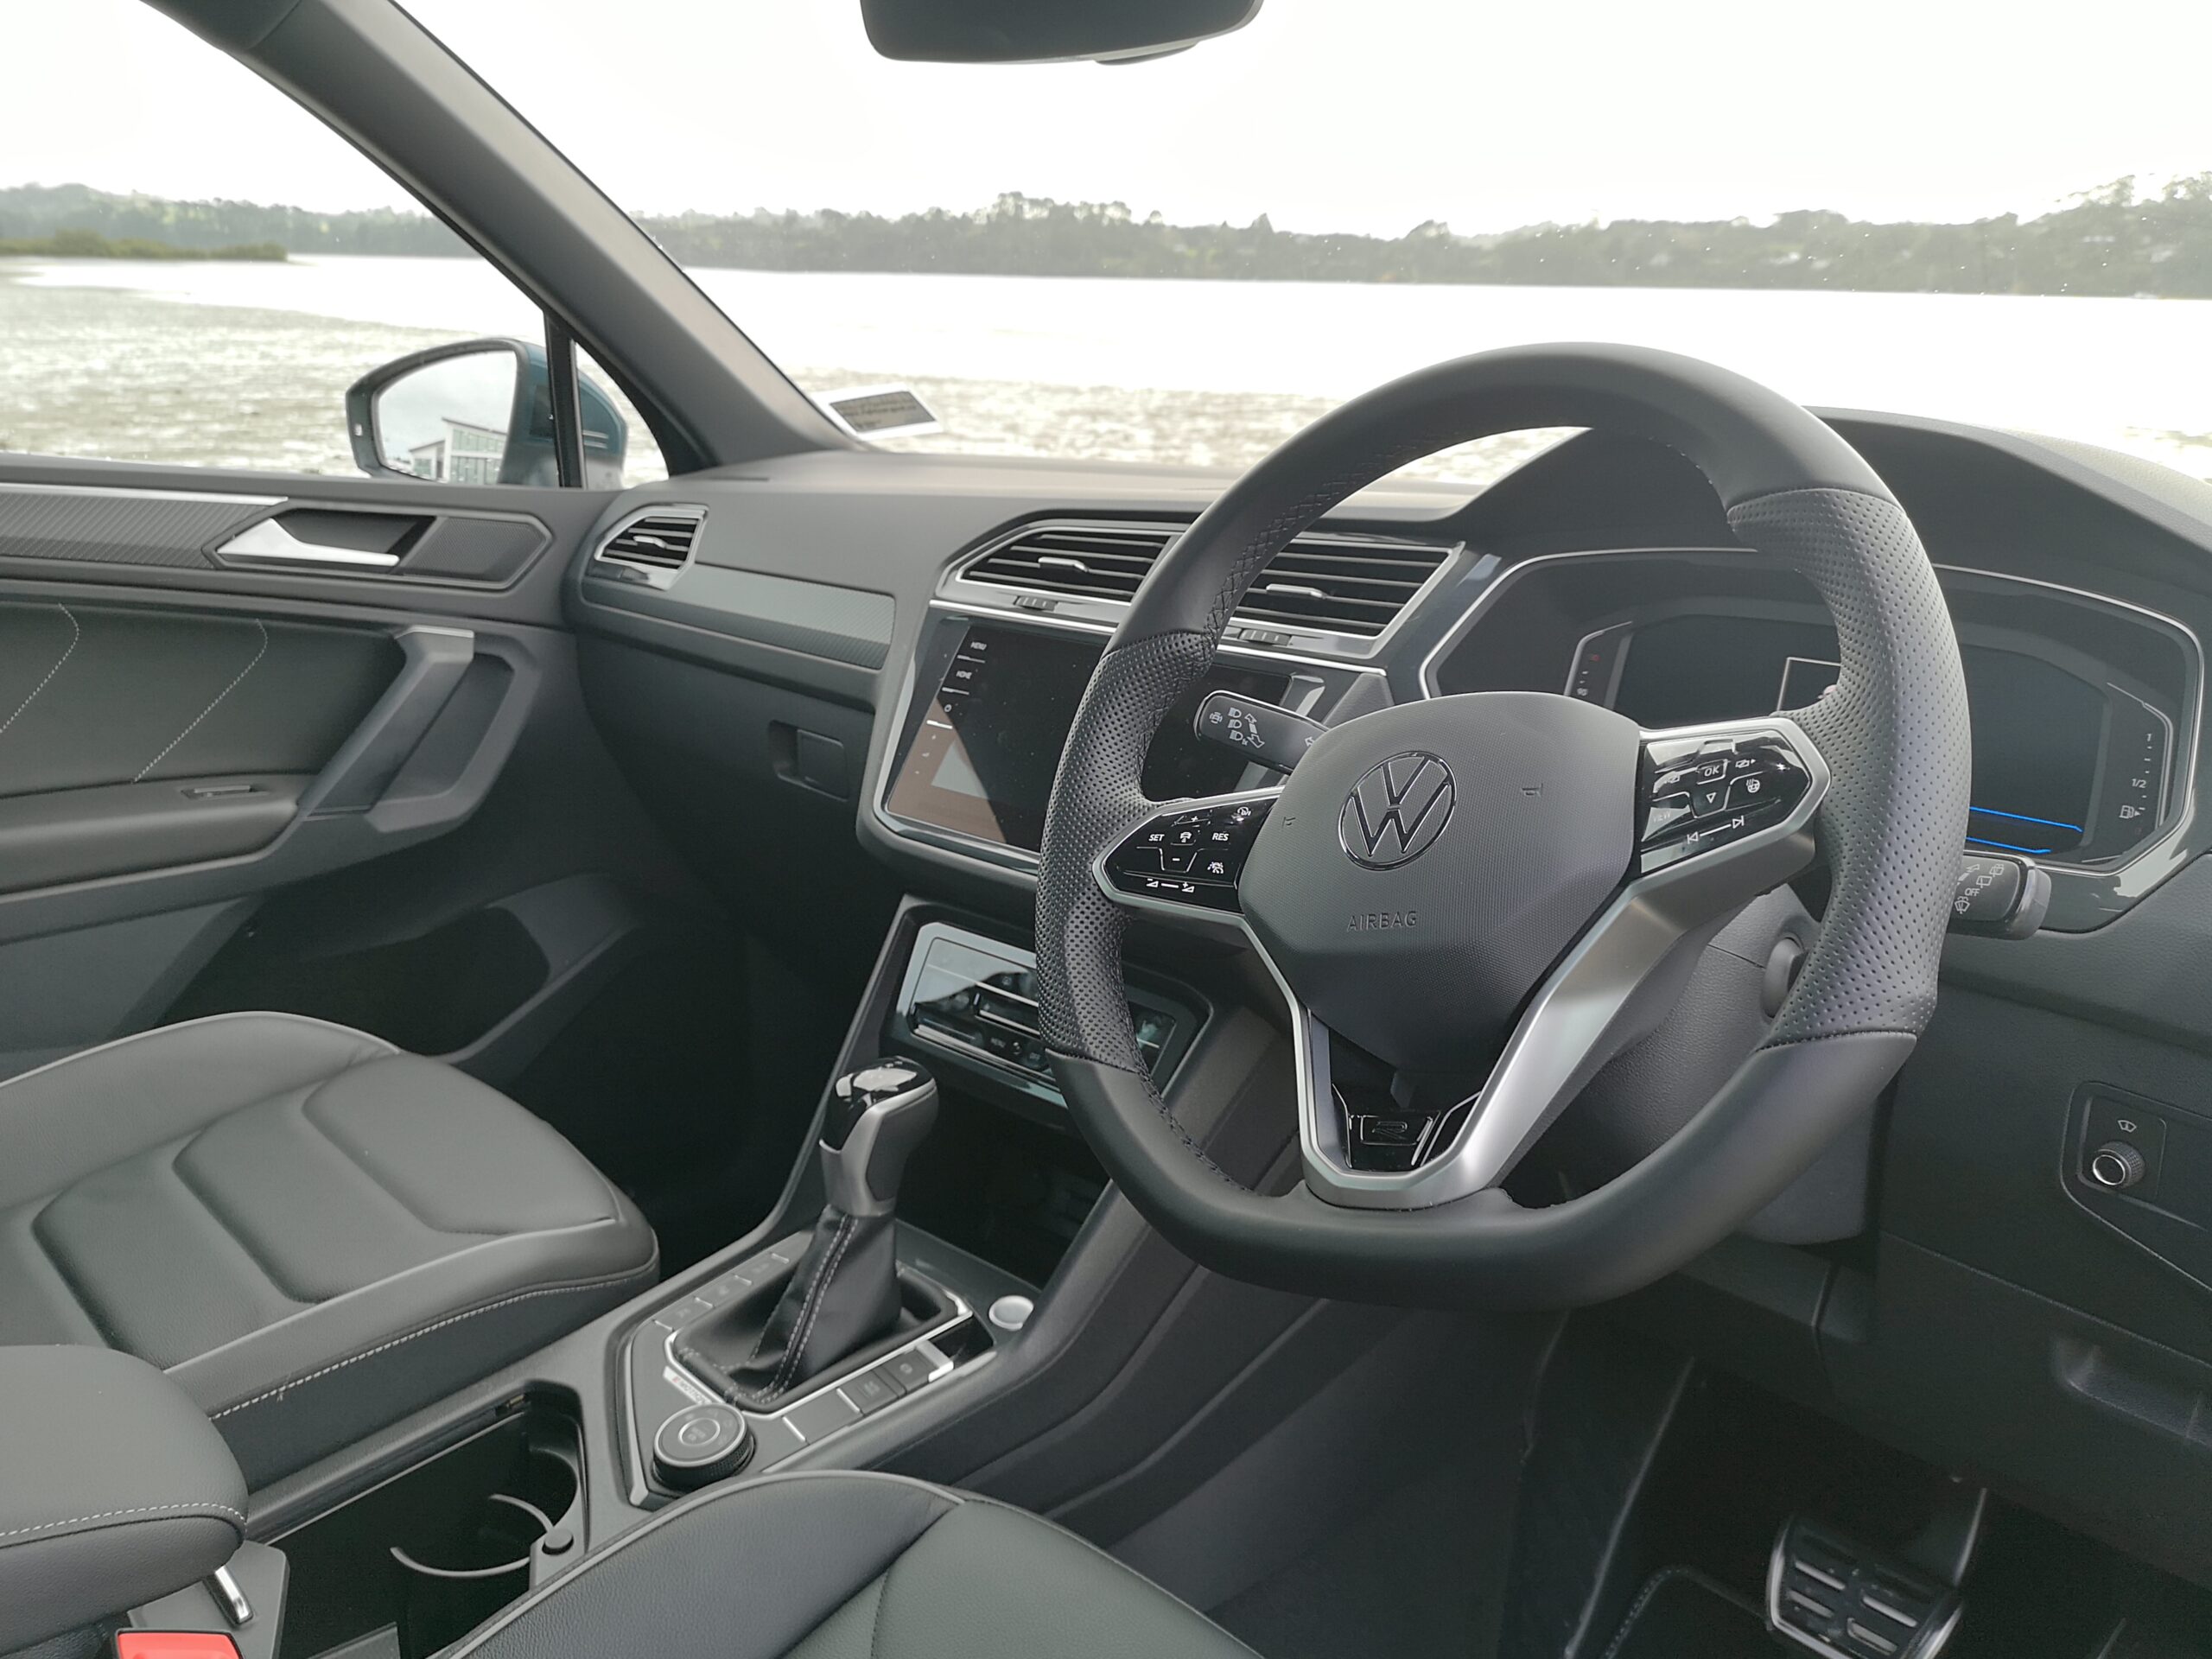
{"x": 416, "y": 1562}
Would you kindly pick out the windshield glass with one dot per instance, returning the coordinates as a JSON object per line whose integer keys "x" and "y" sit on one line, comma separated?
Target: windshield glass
{"x": 1921, "y": 206}
{"x": 1941, "y": 209}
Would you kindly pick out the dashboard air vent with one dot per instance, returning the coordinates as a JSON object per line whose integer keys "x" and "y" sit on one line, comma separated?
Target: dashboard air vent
{"x": 1323, "y": 583}
{"x": 661, "y": 537}
{"x": 1088, "y": 560}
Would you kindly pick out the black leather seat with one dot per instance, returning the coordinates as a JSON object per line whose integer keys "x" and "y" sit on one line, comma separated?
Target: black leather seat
{"x": 835, "y": 1566}
{"x": 311, "y": 1232}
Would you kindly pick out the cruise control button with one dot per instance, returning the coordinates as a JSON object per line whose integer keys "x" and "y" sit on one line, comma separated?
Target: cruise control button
{"x": 1137, "y": 858}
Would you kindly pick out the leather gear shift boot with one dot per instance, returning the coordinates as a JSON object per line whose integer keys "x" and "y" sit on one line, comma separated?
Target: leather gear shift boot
{"x": 843, "y": 1296}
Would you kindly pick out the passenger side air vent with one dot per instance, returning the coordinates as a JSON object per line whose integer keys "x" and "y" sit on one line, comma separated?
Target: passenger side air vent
{"x": 660, "y": 538}
{"x": 1323, "y": 582}
{"x": 651, "y": 546}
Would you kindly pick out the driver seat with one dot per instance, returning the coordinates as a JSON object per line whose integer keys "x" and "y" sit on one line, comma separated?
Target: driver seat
{"x": 842, "y": 1565}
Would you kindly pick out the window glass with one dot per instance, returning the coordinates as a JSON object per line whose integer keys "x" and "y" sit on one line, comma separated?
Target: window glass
{"x": 193, "y": 270}
{"x": 1937, "y": 208}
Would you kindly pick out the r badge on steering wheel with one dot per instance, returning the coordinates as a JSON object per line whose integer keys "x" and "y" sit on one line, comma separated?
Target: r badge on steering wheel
{"x": 1397, "y": 809}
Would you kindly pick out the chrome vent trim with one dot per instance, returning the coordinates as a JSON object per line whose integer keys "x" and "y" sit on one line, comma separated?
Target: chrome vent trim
{"x": 1328, "y": 590}
{"x": 655, "y": 543}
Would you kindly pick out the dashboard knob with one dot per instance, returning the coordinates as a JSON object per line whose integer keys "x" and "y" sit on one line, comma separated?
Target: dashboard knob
{"x": 2117, "y": 1166}
{"x": 700, "y": 1444}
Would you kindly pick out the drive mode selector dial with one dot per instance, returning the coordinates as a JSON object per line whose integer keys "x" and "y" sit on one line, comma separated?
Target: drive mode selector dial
{"x": 700, "y": 1444}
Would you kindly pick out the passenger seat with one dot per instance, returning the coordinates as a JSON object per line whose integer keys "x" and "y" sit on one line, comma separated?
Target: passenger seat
{"x": 312, "y": 1233}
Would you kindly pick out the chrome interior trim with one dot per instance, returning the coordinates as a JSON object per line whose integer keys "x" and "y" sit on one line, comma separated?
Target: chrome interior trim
{"x": 997, "y": 598}
{"x": 661, "y": 576}
{"x": 267, "y": 540}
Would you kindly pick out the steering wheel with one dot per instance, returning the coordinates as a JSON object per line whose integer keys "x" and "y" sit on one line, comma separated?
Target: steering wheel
{"x": 1472, "y": 902}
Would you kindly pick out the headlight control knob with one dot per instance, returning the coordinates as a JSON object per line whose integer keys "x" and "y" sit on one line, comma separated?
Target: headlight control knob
{"x": 2116, "y": 1165}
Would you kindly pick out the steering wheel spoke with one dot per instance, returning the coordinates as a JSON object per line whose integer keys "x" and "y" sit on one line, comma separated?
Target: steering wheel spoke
{"x": 1189, "y": 856}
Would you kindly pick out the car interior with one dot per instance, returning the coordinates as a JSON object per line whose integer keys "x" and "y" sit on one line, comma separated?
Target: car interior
{"x": 854, "y": 1052}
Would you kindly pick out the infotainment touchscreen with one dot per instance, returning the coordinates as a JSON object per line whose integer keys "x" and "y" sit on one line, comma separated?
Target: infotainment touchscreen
{"x": 979, "y": 759}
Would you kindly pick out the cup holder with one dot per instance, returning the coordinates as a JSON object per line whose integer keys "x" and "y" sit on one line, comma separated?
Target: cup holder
{"x": 416, "y": 1563}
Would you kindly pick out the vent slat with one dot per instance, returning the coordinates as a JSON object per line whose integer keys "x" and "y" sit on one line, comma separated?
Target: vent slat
{"x": 664, "y": 540}
{"x": 1319, "y": 583}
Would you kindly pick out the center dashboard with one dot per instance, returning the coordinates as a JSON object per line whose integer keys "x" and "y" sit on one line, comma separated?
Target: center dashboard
{"x": 2084, "y": 708}
{"x": 840, "y": 608}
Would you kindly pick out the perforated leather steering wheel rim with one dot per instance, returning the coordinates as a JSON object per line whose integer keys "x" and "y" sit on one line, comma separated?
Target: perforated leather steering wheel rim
{"x": 1891, "y": 738}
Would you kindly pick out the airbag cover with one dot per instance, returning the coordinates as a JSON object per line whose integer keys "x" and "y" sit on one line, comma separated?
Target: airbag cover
{"x": 1428, "y": 864}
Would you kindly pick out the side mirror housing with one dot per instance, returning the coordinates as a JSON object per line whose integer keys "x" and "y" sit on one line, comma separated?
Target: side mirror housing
{"x": 477, "y": 411}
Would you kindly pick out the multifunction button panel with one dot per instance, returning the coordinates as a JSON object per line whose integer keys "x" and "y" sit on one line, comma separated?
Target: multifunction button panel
{"x": 1707, "y": 793}
{"x": 688, "y": 1432}
{"x": 1193, "y": 857}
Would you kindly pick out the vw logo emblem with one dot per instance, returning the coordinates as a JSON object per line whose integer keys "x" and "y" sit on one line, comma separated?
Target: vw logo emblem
{"x": 1396, "y": 811}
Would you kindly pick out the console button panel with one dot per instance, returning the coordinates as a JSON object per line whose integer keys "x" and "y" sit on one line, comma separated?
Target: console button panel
{"x": 672, "y": 1411}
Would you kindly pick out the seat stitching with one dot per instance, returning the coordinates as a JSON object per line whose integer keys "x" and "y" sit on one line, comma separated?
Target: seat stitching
{"x": 882, "y": 1595}
{"x": 240, "y": 680}
{"x": 370, "y": 1175}
{"x": 246, "y": 1246}
{"x": 424, "y": 1330}
{"x": 154, "y": 1034}
{"x": 814, "y": 1297}
{"x": 117, "y": 1514}
{"x": 77, "y": 632}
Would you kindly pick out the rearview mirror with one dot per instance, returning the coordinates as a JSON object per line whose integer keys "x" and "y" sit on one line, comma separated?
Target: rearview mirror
{"x": 1045, "y": 31}
{"x": 477, "y": 411}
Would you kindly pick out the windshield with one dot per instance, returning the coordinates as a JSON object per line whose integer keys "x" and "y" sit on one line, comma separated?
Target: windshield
{"x": 1934, "y": 207}
{"x": 1939, "y": 209}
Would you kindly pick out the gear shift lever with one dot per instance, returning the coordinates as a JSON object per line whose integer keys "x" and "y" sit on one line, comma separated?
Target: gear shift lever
{"x": 844, "y": 1292}
{"x": 877, "y": 1117}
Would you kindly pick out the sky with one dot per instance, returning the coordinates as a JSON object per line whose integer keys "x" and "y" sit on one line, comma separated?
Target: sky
{"x": 1347, "y": 115}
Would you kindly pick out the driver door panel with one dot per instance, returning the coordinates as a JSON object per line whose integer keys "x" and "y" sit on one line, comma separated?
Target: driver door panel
{"x": 183, "y": 733}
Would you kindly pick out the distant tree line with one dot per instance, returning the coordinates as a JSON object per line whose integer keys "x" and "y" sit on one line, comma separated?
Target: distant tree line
{"x": 91, "y": 245}
{"x": 2116, "y": 239}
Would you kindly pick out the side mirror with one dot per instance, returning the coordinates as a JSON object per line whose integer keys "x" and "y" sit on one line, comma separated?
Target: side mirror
{"x": 1045, "y": 31}
{"x": 477, "y": 411}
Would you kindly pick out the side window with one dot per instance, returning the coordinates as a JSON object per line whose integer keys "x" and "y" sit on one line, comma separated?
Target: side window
{"x": 195, "y": 271}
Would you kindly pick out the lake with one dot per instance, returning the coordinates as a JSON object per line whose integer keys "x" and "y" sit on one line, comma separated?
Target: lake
{"x": 246, "y": 365}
